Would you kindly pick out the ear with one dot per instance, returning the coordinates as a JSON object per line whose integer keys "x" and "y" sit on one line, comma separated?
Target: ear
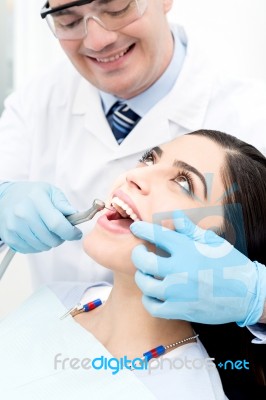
{"x": 167, "y": 5}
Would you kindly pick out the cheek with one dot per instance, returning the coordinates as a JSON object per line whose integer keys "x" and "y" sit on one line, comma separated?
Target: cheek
{"x": 212, "y": 222}
{"x": 70, "y": 47}
{"x": 111, "y": 251}
{"x": 205, "y": 217}
{"x": 167, "y": 200}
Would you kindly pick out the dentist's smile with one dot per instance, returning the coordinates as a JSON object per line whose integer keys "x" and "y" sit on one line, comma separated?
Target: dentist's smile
{"x": 112, "y": 60}
{"x": 113, "y": 57}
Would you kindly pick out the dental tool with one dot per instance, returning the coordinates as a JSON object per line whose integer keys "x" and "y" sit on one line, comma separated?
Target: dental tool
{"x": 83, "y": 216}
{"x": 74, "y": 219}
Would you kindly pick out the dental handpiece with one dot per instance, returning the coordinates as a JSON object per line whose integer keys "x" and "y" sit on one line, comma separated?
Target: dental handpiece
{"x": 74, "y": 219}
{"x": 83, "y": 216}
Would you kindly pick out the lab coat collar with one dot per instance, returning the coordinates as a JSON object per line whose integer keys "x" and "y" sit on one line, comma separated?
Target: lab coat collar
{"x": 186, "y": 106}
{"x": 83, "y": 98}
{"x": 88, "y": 103}
{"x": 191, "y": 94}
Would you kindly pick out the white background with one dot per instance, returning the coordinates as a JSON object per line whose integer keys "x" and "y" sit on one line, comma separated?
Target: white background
{"x": 233, "y": 33}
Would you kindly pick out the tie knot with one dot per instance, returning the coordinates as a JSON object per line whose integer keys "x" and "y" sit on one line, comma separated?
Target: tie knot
{"x": 122, "y": 120}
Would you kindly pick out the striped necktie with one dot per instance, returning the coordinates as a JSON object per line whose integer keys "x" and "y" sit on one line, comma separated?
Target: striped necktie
{"x": 122, "y": 120}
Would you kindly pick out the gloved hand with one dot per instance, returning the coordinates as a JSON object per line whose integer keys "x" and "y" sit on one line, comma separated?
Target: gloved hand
{"x": 205, "y": 279}
{"x": 32, "y": 217}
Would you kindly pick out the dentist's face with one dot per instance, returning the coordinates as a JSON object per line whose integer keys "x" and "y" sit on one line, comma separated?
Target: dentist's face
{"x": 173, "y": 176}
{"x": 124, "y": 62}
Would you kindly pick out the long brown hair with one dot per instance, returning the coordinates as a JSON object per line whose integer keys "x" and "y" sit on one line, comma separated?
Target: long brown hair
{"x": 244, "y": 178}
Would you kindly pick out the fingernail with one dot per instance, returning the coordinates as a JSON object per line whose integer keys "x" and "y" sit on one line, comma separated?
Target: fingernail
{"x": 134, "y": 227}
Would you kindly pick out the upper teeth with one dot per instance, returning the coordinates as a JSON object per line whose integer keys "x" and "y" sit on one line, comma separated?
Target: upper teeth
{"x": 127, "y": 210}
{"x": 113, "y": 58}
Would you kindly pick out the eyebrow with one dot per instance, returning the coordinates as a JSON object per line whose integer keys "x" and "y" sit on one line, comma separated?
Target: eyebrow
{"x": 187, "y": 167}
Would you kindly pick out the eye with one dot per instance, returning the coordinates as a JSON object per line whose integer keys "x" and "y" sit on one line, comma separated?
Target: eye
{"x": 184, "y": 180}
{"x": 117, "y": 11}
{"x": 74, "y": 23}
{"x": 148, "y": 158}
{"x": 68, "y": 25}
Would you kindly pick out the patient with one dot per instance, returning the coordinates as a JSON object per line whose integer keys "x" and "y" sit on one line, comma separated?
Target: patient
{"x": 169, "y": 177}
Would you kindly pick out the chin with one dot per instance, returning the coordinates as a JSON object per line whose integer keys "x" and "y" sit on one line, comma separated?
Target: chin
{"x": 112, "y": 253}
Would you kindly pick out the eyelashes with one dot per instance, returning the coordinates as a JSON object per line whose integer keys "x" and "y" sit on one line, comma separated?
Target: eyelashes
{"x": 147, "y": 156}
{"x": 188, "y": 180}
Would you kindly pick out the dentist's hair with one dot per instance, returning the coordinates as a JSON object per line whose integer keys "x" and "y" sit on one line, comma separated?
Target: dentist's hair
{"x": 244, "y": 178}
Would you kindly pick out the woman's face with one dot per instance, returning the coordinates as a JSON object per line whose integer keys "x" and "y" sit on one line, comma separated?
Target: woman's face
{"x": 182, "y": 174}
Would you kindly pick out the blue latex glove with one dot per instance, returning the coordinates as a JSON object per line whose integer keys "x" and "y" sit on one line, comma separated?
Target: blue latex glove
{"x": 204, "y": 279}
{"x": 32, "y": 217}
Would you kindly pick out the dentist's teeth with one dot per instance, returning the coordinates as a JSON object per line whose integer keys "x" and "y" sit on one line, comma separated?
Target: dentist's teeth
{"x": 113, "y": 58}
{"x": 123, "y": 209}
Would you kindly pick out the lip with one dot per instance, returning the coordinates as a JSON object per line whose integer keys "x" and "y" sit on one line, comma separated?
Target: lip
{"x": 124, "y": 51}
{"x": 123, "y": 196}
{"x": 111, "y": 64}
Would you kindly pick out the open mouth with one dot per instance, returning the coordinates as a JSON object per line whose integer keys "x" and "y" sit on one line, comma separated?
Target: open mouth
{"x": 122, "y": 211}
{"x": 121, "y": 216}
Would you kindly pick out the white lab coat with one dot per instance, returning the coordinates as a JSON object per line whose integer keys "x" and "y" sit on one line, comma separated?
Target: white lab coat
{"x": 55, "y": 130}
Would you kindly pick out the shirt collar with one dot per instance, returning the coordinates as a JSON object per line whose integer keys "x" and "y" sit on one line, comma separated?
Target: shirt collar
{"x": 142, "y": 103}
{"x": 188, "y": 100}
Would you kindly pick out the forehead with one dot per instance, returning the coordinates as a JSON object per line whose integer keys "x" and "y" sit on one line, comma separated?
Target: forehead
{"x": 200, "y": 152}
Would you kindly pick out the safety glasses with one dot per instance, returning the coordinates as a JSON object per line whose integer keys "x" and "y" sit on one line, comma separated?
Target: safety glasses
{"x": 70, "y": 21}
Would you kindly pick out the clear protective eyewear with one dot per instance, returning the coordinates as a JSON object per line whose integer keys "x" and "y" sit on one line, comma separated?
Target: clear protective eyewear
{"x": 69, "y": 21}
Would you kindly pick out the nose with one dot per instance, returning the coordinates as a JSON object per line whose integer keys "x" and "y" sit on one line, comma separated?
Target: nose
{"x": 97, "y": 37}
{"x": 140, "y": 179}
